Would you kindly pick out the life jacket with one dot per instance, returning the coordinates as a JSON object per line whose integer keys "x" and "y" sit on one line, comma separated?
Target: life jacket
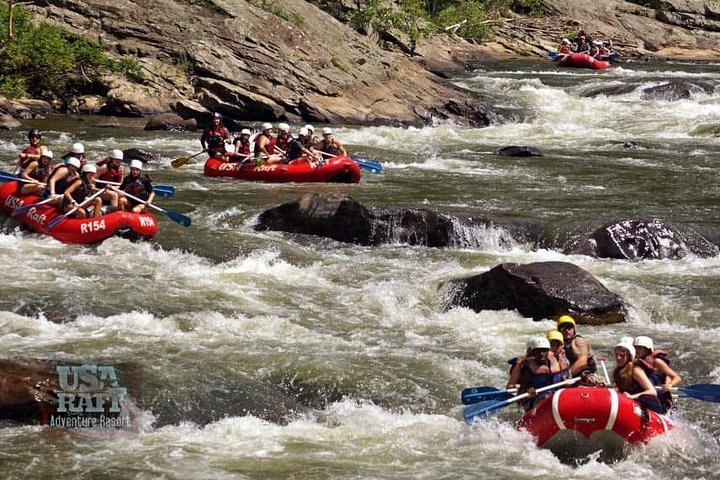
{"x": 590, "y": 367}
{"x": 657, "y": 378}
{"x": 83, "y": 191}
{"x": 137, "y": 186}
{"x": 215, "y": 137}
{"x": 329, "y": 147}
{"x": 283, "y": 142}
{"x": 564, "y": 48}
{"x": 271, "y": 145}
{"x": 294, "y": 150}
{"x": 113, "y": 174}
{"x": 62, "y": 184}
{"x": 27, "y": 161}
{"x": 244, "y": 147}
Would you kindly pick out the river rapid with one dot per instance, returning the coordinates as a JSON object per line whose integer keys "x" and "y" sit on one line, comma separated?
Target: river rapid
{"x": 269, "y": 355}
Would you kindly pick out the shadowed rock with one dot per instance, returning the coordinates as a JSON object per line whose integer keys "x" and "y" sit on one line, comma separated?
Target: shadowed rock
{"x": 139, "y": 154}
{"x": 671, "y": 91}
{"x": 520, "y": 151}
{"x": 343, "y": 219}
{"x": 171, "y": 121}
{"x": 543, "y": 290}
{"x": 640, "y": 239}
{"x": 8, "y": 123}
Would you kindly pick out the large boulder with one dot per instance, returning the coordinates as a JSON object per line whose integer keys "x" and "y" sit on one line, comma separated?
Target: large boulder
{"x": 26, "y": 390}
{"x": 343, "y": 219}
{"x": 520, "y": 151}
{"x": 171, "y": 121}
{"x": 139, "y": 154}
{"x": 543, "y": 290}
{"x": 8, "y": 123}
{"x": 639, "y": 239}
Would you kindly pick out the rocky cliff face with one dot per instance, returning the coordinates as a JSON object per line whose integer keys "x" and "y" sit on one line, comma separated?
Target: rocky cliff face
{"x": 300, "y": 63}
{"x": 232, "y": 57}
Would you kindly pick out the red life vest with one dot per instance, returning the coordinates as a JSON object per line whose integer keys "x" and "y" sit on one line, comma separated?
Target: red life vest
{"x": 564, "y": 49}
{"x": 27, "y": 161}
{"x": 112, "y": 174}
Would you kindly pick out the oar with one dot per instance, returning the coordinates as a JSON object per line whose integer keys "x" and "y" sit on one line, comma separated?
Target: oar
{"x": 472, "y": 395}
{"x": 25, "y": 208}
{"x": 161, "y": 190}
{"x": 707, "y": 392}
{"x": 374, "y": 167}
{"x": 179, "y": 162}
{"x": 9, "y": 177}
{"x": 486, "y": 409}
{"x": 52, "y": 224}
{"x": 178, "y": 217}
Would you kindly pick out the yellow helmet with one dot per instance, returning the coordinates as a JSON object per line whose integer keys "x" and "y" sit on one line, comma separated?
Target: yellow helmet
{"x": 555, "y": 335}
{"x": 566, "y": 319}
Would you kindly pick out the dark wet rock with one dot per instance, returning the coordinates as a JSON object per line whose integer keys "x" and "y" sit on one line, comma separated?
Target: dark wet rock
{"x": 50, "y": 313}
{"x": 343, "y": 219}
{"x": 27, "y": 390}
{"x": 171, "y": 121}
{"x": 139, "y": 154}
{"x": 608, "y": 90}
{"x": 543, "y": 290}
{"x": 639, "y": 239}
{"x": 8, "y": 123}
{"x": 520, "y": 151}
{"x": 671, "y": 91}
{"x": 634, "y": 145}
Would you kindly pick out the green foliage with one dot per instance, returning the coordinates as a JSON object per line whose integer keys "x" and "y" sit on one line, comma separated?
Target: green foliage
{"x": 339, "y": 65}
{"x": 44, "y": 60}
{"x": 474, "y": 12}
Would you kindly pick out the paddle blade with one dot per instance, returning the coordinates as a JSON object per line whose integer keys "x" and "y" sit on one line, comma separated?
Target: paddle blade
{"x": 53, "y": 223}
{"x": 553, "y": 55}
{"x": 473, "y": 395}
{"x": 482, "y": 410}
{"x": 166, "y": 191}
{"x": 178, "y": 217}
{"x": 374, "y": 167}
{"x": 179, "y": 162}
{"x": 707, "y": 392}
{"x": 7, "y": 177}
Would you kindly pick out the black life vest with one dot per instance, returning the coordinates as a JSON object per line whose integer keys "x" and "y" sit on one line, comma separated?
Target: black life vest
{"x": 590, "y": 367}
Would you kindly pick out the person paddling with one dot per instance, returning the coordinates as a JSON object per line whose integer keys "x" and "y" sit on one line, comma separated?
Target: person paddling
{"x": 60, "y": 178}
{"x": 82, "y": 188}
{"x": 138, "y": 185}
{"x": 110, "y": 170}
{"x": 656, "y": 364}
{"x": 31, "y": 152}
{"x": 330, "y": 145}
{"x": 36, "y": 172}
{"x": 242, "y": 147}
{"x": 214, "y": 137}
{"x": 631, "y": 379}
{"x": 564, "y": 48}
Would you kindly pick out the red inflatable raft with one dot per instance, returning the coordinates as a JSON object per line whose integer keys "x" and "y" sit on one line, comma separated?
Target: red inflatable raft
{"x": 578, "y": 421}
{"x": 335, "y": 169}
{"x": 71, "y": 230}
{"x": 582, "y": 60}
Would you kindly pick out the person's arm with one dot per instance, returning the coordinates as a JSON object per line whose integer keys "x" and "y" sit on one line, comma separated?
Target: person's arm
{"x": 68, "y": 193}
{"x": 342, "y": 150}
{"x": 148, "y": 187}
{"x": 640, "y": 377}
{"x": 672, "y": 378}
{"x": 203, "y": 140}
{"x": 59, "y": 173}
{"x": 28, "y": 170}
{"x": 514, "y": 380}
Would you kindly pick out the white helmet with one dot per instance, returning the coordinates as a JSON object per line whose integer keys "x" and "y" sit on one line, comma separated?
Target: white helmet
{"x": 78, "y": 148}
{"x": 643, "y": 341}
{"x": 47, "y": 153}
{"x": 117, "y": 154}
{"x": 283, "y": 127}
{"x": 539, "y": 342}
{"x": 89, "y": 169}
{"x": 303, "y": 132}
{"x": 73, "y": 161}
{"x": 267, "y": 126}
{"x": 136, "y": 164}
{"x": 327, "y": 131}
{"x": 245, "y": 131}
{"x": 310, "y": 128}
{"x": 627, "y": 345}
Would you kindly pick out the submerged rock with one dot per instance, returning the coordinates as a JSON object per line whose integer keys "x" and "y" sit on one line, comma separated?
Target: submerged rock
{"x": 639, "y": 239}
{"x": 543, "y": 290}
{"x": 343, "y": 219}
{"x": 520, "y": 151}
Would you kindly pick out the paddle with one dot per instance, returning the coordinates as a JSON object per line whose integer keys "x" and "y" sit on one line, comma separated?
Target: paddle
{"x": 485, "y": 409}
{"x": 9, "y": 177}
{"x": 179, "y": 162}
{"x": 183, "y": 220}
{"x": 473, "y": 395}
{"x": 25, "y": 208}
{"x": 160, "y": 190}
{"x": 374, "y": 167}
{"x": 707, "y": 392}
{"x": 52, "y": 224}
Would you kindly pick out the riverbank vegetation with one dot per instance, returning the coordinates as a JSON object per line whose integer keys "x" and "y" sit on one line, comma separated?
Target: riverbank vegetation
{"x": 46, "y": 61}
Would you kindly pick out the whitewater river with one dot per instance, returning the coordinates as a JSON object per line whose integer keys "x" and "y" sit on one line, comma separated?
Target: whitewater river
{"x": 340, "y": 353}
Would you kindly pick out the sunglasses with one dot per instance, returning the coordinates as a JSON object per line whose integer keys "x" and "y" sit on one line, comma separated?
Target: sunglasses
{"x": 565, "y": 327}
{"x": 33, "y": 137}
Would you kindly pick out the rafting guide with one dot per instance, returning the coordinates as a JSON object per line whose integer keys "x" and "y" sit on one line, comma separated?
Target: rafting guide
{"x": 89, "y": 396}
